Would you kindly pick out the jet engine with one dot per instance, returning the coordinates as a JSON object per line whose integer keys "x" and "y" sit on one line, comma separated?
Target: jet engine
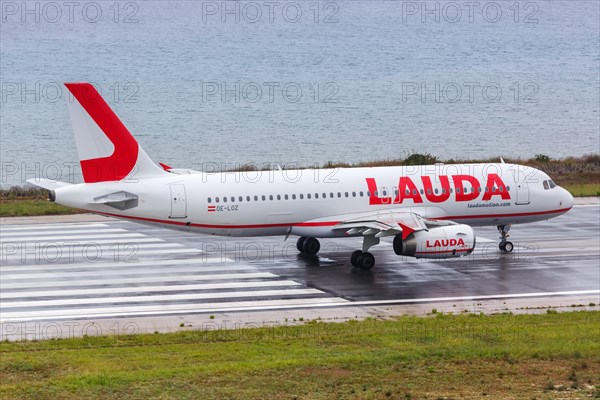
{"x": 438, "y": 242}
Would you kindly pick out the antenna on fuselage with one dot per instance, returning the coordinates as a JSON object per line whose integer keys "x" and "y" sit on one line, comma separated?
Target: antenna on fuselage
{"x": 502, "y": 160}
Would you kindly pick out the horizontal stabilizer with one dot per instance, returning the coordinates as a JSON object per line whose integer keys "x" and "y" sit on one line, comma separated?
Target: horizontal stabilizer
{"x": 47, "y": 183}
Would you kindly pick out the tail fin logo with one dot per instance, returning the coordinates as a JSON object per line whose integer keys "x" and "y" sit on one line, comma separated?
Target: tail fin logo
{"x": 99, "y": 168}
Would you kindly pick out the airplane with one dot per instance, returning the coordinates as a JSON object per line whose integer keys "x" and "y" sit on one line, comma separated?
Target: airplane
{"x": 429, "y": 211}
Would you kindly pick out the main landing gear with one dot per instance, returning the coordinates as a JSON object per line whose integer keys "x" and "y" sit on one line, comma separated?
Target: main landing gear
{"x": 505, "y": 246}
{"x": 308, "y": 245}
{"x": 360, "y": 258}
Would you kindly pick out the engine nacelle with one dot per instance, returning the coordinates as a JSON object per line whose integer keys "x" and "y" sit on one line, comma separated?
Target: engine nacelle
{"x": 439, "y": 242}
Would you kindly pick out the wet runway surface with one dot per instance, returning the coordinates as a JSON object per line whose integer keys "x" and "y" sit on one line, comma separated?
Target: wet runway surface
{"x": 96, "y": 270}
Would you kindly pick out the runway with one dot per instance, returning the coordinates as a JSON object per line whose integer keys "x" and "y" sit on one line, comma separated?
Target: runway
{"x": 94, "y": 271}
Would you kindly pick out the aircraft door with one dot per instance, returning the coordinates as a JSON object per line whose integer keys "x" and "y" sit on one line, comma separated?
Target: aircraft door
{"x": 178, "y": 201}
{"x": 522, "y": 188}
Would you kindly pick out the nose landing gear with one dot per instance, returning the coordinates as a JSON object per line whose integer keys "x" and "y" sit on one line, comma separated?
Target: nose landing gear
{"x": 505, "y": 245}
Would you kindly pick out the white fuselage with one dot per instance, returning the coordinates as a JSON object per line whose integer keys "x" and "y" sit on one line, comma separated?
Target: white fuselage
{"x": 310, "y": 202}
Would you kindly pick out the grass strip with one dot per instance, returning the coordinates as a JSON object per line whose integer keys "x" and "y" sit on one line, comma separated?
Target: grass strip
{"x": 555, "y": 355}
{"x": 28, "y": 208}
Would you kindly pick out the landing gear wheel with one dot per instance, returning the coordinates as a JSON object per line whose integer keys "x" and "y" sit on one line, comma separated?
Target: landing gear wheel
{"x": 311, "y": 246}
{"x": 506, "y": 247}
{"x": 365, "y": 261}
{"x": 354, "y": 258}
{"x": 300, "y": 243}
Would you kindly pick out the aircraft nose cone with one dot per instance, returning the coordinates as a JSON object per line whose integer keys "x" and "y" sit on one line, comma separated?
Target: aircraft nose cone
{"x": 568, "y": 200}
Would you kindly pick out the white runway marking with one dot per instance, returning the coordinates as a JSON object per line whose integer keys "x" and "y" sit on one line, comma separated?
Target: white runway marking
{"x": 50, "y": 274}
{"x": 38, "y": 227}
{"x": 96, "y": 301}
{"x": 107, "y": 312}
{"x": 125, "y": 265}
{"x": 39, "y": 289}
{"x": 139, "y": 279}
{"x": 145, "y": 289}
{"x": 55, "y": 232}
{"x": 89, "y": 237}
{"x": 469, "y": 298}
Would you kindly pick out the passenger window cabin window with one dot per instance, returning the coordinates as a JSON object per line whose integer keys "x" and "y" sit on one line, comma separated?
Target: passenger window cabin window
{"x": 415, "y": 191}
{"x": 457, "y": 190}
{"x": 241, "y": 199}
{"x": 316, "y": 195}
{"x": 508, "y": 188}
{"x": 255, "y": 198}
{"x": 324, "y": 195}
{"x": 346, "y": 194}
{"x": 368, "y": 194}
{"x": 224, "y": 199}
{"x": 278, "y": 197}
{"x": 479, "y": 189}
{"x": 494, "y": 189}
{"x": 422, "y": 192}
{"x": 331, "y": 195}
{"x": 301, "y": 196}
{"x": 307, "y": 196}
{"x": 209, "y": 200}
{"x": 247, "y": 198}
{"x": 353, "y": 194}
{"x": 501, "y": 189}
{"x": 487, "y": 189}
{"x": 361, "y": 193}
{"x": 216, "y": 199}
{"x": 407, "y": 192}
{"x": 294, "y": 197}
{"x": 270, "y": 197}
{"x": 232, "y": 199}
{"x": 339, "y": 194}
{"x": 428, "y": 191}
{"x": 264, "y": 197}
{"x": 286, "y": 197}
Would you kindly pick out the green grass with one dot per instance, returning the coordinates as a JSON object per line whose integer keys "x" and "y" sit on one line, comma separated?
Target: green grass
{"x": 465, "y": 356}
{"x": 26, "y": 208}
{"x": 584, "y": 189}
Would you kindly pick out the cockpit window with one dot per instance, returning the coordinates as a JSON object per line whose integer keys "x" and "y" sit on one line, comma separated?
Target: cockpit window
{"x": 552, "y": 184}
{"x": 546, "y": 185}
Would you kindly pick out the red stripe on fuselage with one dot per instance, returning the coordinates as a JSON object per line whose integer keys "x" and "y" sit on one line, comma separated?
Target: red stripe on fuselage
{"x": 308, "y": 224}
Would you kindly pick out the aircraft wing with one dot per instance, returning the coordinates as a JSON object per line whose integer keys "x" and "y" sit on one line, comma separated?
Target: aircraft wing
{"x": 380, "y": 224}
